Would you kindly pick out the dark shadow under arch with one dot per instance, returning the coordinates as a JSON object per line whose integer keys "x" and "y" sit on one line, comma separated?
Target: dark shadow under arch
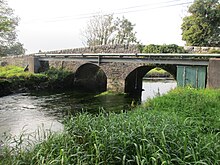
{"x": 90, "y": 77}
{"x": 133, "y": 82}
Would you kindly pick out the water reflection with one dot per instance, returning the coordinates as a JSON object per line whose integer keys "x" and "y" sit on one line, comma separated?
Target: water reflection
{"x": 152, "y": 89}
{"x": 28, "y": 111}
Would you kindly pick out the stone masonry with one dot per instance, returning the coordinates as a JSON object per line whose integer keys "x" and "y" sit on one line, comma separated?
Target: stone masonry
{"x": 99, "y": 49}
{"x": 116, "y": 73}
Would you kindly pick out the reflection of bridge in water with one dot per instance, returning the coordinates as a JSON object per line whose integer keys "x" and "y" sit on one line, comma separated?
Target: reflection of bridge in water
{"x": 124, "y": 72}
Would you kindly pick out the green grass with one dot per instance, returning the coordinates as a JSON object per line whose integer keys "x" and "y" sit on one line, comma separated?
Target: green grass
{"x": 182, "y": 127}
{"x": 11, "y": 72}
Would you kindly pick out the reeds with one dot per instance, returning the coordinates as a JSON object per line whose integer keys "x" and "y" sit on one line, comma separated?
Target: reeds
{"x": 181, "y": 127}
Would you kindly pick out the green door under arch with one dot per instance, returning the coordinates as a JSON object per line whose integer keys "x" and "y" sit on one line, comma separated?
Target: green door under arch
{"x": 194, "y": 76}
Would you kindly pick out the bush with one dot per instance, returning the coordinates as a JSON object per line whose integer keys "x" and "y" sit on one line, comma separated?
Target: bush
{"x": 57, "y": 74}
{"x": 172, "y": 48}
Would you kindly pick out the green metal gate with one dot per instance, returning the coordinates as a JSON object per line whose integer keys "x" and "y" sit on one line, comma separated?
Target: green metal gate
{"x": 194, "y": 76}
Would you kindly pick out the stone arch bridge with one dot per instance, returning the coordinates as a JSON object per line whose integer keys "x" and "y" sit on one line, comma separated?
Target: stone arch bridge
{"x": 124, "y": 72}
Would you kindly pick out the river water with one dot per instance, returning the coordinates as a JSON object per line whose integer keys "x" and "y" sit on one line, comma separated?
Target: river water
{"x": 28, "y": 112}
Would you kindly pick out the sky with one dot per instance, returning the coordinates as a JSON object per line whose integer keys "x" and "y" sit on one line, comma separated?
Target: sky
{"x": 57, "y": 24}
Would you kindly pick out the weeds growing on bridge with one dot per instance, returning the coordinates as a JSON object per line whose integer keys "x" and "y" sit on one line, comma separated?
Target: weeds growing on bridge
{"x": 182, "y": 127}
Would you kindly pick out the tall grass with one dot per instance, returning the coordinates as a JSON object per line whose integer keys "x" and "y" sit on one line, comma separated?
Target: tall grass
{"x": 181, "y": 127}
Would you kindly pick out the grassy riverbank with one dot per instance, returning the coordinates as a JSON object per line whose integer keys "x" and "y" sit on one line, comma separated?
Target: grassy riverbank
{"x": 14, "y": 79}
{"x": 182, "y": 127}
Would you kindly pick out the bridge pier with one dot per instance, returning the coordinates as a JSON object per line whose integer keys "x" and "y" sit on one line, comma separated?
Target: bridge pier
{"x": 33, "y": 64}
{"x": 116, "y": 85}
{"x": 214, "y": 73}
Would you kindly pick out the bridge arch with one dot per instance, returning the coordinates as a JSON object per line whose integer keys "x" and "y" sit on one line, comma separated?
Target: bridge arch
{"x": 90, "y": 77}
{"x": 133, "y": 80}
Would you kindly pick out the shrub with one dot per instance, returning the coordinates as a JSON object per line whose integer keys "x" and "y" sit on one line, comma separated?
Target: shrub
{"x": 172, "y": 48}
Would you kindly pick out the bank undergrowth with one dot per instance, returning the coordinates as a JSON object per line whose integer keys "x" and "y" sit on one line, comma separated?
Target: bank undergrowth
{"x": 14, "y": 79}
{"x": 182, "y": 127}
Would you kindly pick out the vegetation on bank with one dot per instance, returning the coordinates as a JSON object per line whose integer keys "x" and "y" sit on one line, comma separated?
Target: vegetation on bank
{"x": 13, "y": 79}
{"x": 10, "y": 72}
{"x": 182, "y": 127}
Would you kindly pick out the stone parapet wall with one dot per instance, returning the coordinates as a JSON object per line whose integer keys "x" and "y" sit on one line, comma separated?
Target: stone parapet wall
{"x": 196, "y": 49}
{"x": 19, "y": 60}
{"x": 99, "y": 49}
{"x": 125, "y": 49}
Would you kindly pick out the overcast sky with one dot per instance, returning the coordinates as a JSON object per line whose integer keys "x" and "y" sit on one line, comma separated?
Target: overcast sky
{"x": 56, "y": 24}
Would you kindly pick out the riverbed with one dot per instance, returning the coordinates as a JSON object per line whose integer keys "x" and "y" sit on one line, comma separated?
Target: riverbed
{"x": 28, "y": 112}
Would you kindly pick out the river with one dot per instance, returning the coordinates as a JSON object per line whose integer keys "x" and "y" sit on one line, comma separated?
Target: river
{"x": 28, "y": 112}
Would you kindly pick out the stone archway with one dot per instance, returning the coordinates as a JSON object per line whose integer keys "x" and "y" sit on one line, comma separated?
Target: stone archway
{"x": 90, "y": 77}
{"x": 133, "y": 81}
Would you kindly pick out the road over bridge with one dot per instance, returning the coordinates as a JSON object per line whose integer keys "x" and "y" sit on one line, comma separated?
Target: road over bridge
{"x": 124, "y": 72}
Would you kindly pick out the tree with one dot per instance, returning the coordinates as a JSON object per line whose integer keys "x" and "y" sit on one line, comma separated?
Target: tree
{"x": 8, "y": 36}
{"x": 202, "y": 26}
{"x": 125, "y": 32}
{"x": 99, "y": 30}
{"x": 14, "y": 49}
{"x": 104, "y": 30}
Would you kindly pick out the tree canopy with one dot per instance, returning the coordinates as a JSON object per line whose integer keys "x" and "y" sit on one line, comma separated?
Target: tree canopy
{"x": 8, "y": 36}
{"x": 105, "y": 30}
{"x": 202, "y": 26}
